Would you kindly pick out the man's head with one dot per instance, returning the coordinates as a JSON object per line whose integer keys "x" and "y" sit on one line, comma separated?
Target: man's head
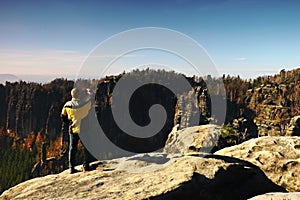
{"x": 75, "y": 93}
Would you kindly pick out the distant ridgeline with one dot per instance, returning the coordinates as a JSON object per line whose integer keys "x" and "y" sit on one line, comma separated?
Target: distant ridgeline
{"x": 30, "y": 112}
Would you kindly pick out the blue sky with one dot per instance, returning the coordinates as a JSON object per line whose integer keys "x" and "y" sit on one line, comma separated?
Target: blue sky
{"x": 52, "y": 38}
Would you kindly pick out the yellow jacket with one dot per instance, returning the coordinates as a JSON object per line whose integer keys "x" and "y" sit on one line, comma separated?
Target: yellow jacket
{"x": 74, "y": 111}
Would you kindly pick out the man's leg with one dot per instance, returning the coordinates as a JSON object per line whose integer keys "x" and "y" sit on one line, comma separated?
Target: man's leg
{"x": 86, "y": 160}
{"x": 65, "y": 140}
{"x": 72, "y": 150}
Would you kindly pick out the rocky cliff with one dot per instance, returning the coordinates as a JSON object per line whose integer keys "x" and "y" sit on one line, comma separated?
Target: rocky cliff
{"x": 275, "y": 101}
{"x": 264, "y": 106}
{"x": 190, "y": 174}
{"x": 32, "y": 107}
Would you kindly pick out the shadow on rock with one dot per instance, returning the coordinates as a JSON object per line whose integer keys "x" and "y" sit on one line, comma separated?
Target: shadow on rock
{"x": 242, "y": 180}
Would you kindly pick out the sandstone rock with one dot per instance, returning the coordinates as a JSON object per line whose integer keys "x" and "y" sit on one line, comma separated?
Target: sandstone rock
{"x": 294, "y": 126}
{"x": 278, "y": 157}
{"x": 278, "y": 196}
{"x": 193, "y": 139}
{"x": 272, "y": 107}
{"x": 153, "y": 176}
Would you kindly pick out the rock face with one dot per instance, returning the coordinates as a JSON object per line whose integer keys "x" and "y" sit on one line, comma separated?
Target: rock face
{"x": 275, "y": 102}
{"x": 294, "y": 126}
{"x": 278, "y": 157}
{"x": 272, "y": 111}
{"x": 278, "y": 196}
{"x": 153, "y": 176}
{"x": 32, "y": 107}
{"x": 193, "y": 139}
{"x": 187, "y": 109}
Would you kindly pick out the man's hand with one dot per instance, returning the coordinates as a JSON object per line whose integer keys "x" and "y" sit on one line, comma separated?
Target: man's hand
{"x": 90, "y": 94}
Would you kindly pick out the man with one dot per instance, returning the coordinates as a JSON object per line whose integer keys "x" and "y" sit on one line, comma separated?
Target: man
{"x": 72, "y": 113}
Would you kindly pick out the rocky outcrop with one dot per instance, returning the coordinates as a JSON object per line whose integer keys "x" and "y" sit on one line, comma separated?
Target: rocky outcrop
{"x": 274, "y": 99}
{"x": 187, "y": 109}
{"x": 278, "y": 196}
{"x": 271, "y": 107}
{"x": 278, "y": 157}
{"x": 153, "y": 176}
{"x": 294, "y": 127}
{"x": 193, "y": 139}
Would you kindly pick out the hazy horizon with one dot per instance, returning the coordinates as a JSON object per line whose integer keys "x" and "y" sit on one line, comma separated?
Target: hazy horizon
{"x": 42, "y": 78}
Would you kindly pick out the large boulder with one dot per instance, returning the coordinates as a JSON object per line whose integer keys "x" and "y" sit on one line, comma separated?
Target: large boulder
{"x": 193, "y": 139}
{"x": 153, "y": 176}
{"x": 278, "y": 157}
